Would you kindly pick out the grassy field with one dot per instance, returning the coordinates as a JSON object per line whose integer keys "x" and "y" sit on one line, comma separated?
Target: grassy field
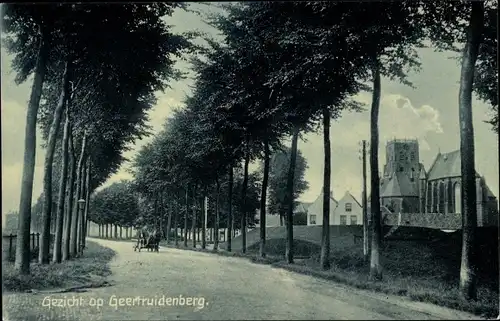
{"x": 421, "y": 264}
{"x": 93, "y": 263}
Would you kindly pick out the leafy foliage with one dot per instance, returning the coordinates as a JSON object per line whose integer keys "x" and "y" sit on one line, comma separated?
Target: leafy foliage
{"x": 116, "y": 204}
{"x": 278, "y": 173}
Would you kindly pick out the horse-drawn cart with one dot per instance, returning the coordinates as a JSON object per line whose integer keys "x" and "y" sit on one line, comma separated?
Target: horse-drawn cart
{"x": 151, "y": 243}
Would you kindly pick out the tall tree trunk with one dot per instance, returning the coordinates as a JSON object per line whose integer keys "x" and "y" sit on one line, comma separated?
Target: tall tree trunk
{"x": 169, "y": 222}
{"x": 263, "y": 198}
{"x": 176, "y": 220}
{"x": 217, "y": 209}
{"x": 289, "y": 195}
{"x": 193, "y": 221}
{"x": 23, "y": 252}
{"x": 325, "y": 240}
{"x": 57, "y": 252}
{"x": 75, "y": 221}
{"x": 468, "y": 171}
{"x": 244, "y": 199}
{"x": 366, "y": 231}
{"x": 87, "y": 200}
{"x": 186, "y": 217}
{"x": 230, "y": 208}
{"x": 43, "y": 254}
{"x": 69, "y": 207}
{"x": 83, "y": 191}
{"x": 203, "y": 220}
{"x": 116, "y": 231}
{"x": 375, "y": 266}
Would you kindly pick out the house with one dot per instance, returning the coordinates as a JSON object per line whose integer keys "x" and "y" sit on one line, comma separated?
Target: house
{"x": 348, "y": 211}
{"x": 407, "y": 188}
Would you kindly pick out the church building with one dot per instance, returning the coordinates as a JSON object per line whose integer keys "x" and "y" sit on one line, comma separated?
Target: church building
{"x": 406, "y": 187}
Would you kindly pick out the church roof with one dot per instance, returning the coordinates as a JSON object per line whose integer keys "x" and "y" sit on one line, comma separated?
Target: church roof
{"x": 398, "y": 185}
{"x": 446, "y": 165}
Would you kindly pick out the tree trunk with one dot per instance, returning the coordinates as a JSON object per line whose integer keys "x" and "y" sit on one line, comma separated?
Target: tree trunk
{"x": 375, "y": 266}
{"x": 244, "y": 200}
{"x": 263, "y": 199}
{"x": 203, "y": 221}
{"x": 81, "y": 210}
{"x": 121, "y": 232}
{"x": 193, "y": 221}
{"x": 74, "y": 225}
{"x": 217, "y": 208}
{"x": 230, "y": 208}
{"x": 69, "y": 208}
{"x": 57, "y": 252}
{"x": 186, "y": 217}
{"x": 23, "y": 252}
{"x": 176, "y": 220}
{"x": 289, "y": 196}
{"x": 87, "y": 200}
{"x": 116, "y": 231}
{"x": 100, "y": 230}
{"x": 468, "y": 171}
{"x": 107, "y": 230}
{"x": 366, "y": 231}
{"x": 281, "y": 219}
{"x": 169, "y": 222}
{"x": 325, "y": 240}
{"x": 43, "y": 254}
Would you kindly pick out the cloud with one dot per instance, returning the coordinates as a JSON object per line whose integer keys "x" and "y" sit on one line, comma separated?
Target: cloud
{"x": 398, "y": 118}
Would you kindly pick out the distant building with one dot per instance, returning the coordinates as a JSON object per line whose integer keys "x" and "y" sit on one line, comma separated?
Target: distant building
{"x": 346, "y": 211}
{"x": 405, "y": 186}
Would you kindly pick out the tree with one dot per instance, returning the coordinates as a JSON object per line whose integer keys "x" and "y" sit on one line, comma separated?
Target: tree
{"x": 278, "y": 174}
{"x": 117, "y": 203}
{"x": 130, "y": 91}
{"x": 470, "y": 28}
{"x": 57, "y": 253}
{"x": 31, "y": 28}
{"x": 468, "y": 170}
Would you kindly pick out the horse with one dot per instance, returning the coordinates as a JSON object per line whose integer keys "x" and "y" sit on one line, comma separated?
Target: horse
{"x": 147, "y": 240}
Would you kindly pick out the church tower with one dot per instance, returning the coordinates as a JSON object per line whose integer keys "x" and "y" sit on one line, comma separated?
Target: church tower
{"x": 400, "y": 184}
{"x": 402, "y": 155}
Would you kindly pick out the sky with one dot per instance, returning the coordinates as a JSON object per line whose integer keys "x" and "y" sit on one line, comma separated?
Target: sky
{"x": 428, "y": 112}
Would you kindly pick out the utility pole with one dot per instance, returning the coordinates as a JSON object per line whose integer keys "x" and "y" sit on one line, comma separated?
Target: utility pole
{"x": 365, "y": 205}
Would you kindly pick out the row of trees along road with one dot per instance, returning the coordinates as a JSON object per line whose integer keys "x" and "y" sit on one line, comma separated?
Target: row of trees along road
{"x": 284, "y": 69}
{"x": 90, "y": 97}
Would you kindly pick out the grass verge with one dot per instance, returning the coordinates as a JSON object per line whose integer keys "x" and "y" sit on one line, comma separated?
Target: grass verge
{"x": 93, "y": 263}
{"x": 425, "y": 279}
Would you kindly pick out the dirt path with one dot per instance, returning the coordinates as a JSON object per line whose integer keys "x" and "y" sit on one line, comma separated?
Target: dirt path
{"x": 214, "y": 287}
